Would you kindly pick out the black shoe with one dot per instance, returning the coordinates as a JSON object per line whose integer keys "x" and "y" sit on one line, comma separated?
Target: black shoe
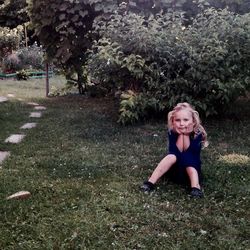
{"x": 196, "y": 192}
{"x": 147, "y": 187}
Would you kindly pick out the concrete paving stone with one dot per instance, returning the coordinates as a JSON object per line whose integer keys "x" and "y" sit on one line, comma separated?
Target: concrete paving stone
{"x": 33, "y": 103}
{"x": 3, "y": 156}
{"x": 29, "y": 125}
{"x": 40, "y": 107}
{"x": 16, "y": 138}
{"x": 3, "y": 99}
{"x": 35, "y": 114}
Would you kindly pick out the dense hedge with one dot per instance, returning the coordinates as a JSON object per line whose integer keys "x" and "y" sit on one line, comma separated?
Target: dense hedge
{"x": 161, "y": 62}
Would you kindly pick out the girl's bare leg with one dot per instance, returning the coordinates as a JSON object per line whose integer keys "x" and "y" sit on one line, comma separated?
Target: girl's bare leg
{"x": 193, "y": 177}
{"x": 165, "y": 164}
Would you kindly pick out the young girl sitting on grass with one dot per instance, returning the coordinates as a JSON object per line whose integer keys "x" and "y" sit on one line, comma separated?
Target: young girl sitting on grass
{"x": 186, "y": 138}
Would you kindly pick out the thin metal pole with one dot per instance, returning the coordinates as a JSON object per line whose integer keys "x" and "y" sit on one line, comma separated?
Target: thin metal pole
{"x": 26, "y": 36}
{"x": 47, "y": 79}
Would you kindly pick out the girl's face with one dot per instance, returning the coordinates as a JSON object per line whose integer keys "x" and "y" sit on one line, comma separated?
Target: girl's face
{"x": 183, "y": 121}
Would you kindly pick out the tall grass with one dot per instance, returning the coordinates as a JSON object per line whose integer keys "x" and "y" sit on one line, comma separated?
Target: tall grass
{"x": 84, "y": 171}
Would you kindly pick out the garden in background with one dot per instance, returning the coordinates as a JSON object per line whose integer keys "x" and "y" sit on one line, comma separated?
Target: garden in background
{"x": 116, "y": 68}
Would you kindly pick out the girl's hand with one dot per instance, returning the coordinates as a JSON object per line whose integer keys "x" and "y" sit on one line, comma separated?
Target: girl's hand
{"x": 178, "y": 131}
{"x": 189, "y": 129}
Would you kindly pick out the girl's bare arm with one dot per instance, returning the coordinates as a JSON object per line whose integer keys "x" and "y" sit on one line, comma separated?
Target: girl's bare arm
{"x": 179, "y": 142}
{"x": 186, "y": 142}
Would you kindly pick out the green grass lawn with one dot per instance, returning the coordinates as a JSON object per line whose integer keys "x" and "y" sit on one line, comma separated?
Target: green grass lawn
{"x": 84, "y": 171}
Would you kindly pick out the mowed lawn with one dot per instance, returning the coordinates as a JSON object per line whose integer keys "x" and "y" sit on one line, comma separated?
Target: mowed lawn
{"x": 84, "y": 171}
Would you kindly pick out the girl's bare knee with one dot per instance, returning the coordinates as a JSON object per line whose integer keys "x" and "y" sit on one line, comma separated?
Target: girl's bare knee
{"x": 171, "y": 158}
{"x": 191, "y": 170}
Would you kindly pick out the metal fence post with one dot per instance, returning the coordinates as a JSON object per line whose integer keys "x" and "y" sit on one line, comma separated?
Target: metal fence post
{"x": 47, "y": 79}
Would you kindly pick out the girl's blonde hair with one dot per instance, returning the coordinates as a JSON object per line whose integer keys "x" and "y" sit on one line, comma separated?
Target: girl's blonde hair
{"x": 198, "y": 128}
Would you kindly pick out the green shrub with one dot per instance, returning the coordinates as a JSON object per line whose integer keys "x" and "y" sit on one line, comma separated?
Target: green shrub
{"x": 32, "y": 57}
{"x": 205, "y": 63}
{"x": 113, "y": 68}
{"x": 9, "y": 40}
{"x": 11, "y": 63}
{"x": 22, "y": 75}
{"x": 135, "y": 107}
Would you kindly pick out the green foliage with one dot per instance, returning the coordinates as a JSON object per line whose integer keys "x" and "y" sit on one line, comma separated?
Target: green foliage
{"x": 9, "y": 40}
{"x": 238, "y": 6}
{"x": 32, "y": 57}
{"x": 13, "y": 13}
{"x": 22, "y": 75}
{"x": 129, "y": 108}
{"x": 205, "y": 63}
{"x": 11, "y": 63}
{"x": 64, "y": 29}
{"x": 135, "y": 106}
{"x": 109, "y": 58}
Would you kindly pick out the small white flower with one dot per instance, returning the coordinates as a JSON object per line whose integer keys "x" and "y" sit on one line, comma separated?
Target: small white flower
{"x": 203, "y": 232}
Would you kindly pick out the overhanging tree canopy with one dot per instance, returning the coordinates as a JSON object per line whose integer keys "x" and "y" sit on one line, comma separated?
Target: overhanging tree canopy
{"x": 63, "y": 27}
{"x": 13, "y": 13}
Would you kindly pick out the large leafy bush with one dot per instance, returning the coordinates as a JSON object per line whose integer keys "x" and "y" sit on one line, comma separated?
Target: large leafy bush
{"x": 11, "y": 63}
{"x": 160, "y": 59}
{"x": 31, "y": 58}
{"x": 9, "y": 40}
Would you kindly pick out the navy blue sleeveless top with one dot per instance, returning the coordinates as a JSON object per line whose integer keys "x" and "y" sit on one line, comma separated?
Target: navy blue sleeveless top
{"x": 191, "y": 156}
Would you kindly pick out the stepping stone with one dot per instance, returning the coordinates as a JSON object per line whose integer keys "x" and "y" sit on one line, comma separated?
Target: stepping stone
{"x": 35, "y": 114}
{"x": 3, "y": 99}
{"x": 29, "y": 125}
{"x": 16, "y": 138}
{"x": 33, "y": 103}
{"x": 3, "y": 156}
{"x": 19, "y": 195}
{"x": 40, "y": 107}
{"x": 10, "y": 95}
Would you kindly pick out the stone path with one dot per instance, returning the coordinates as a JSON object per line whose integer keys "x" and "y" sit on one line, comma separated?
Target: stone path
{"x": 40, "y": 108}
{"x": 35, "y": 114}
{"x": 3, "y": 99}
{"x": 29, "y": 125}
{"x": 18, "y": 137}
{"x": 33, "y": 103}
{"x": 3, "y": 156}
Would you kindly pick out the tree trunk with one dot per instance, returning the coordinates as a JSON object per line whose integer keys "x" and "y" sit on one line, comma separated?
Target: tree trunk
{"x": 81, "y": 82}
